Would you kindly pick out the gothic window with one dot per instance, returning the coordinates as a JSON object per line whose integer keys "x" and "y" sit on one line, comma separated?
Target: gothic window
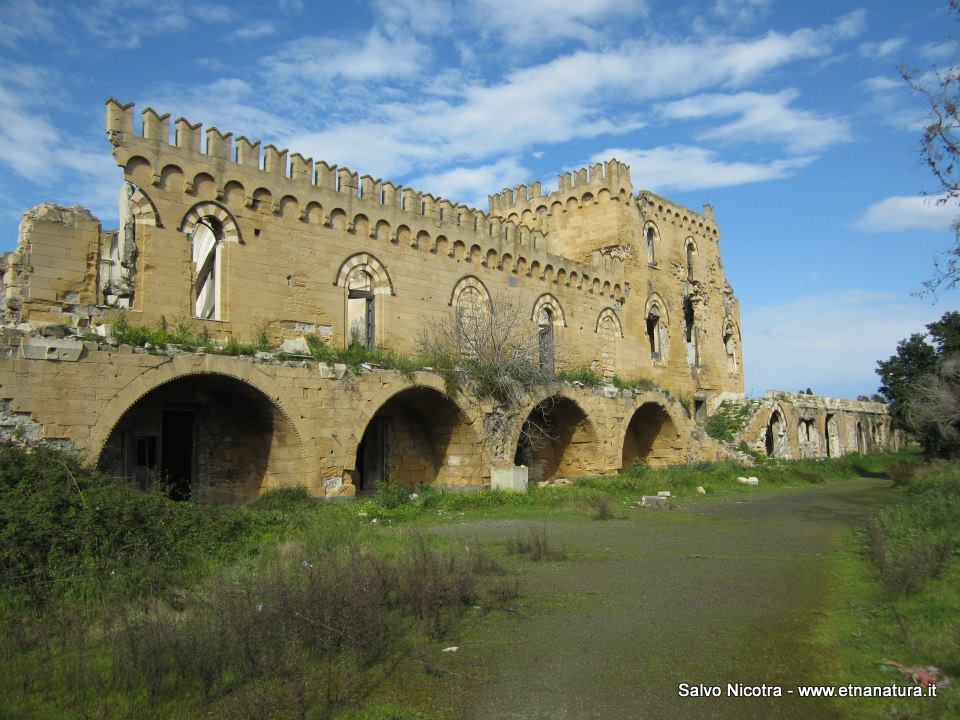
{"x": 655, "y": 332}
{"x": 730, "y": 348}
{"x": 206, "y": 270}
{"x": 690, "y": 332}
{"x": 651, "y": 258}
{"x": 547, "y": 340}
{"x": 361, "y": 309}
{"x": 690, "y": 253}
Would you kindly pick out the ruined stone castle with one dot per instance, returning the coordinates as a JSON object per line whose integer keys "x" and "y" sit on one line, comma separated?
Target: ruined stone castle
{"x": 235, "y": 240}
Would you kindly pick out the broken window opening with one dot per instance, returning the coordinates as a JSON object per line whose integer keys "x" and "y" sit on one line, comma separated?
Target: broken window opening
{"x": 654, "y": 333}
{"x": 730, "y": 348}
{"x": 146, "y": 451}
{"x": 361, "y": 310}
{"x": 650, "y": 255}
{"x": 471, "y": 312}
{"x": 690, "y": 331}
{"x": 206, "y": 266}
{"x": 547, "y": 341}
{"x": 689, "y": 261}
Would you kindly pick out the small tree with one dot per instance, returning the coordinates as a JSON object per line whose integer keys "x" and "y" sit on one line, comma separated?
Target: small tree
{"x": 918, "y": 380}
{"x": 494, "y": 351}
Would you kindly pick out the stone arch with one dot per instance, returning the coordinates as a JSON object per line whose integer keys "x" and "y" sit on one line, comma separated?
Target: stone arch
{"x": 142, "y": 208}
{"x": 555, "y": 439}
{"x": 171, "y": 178}
{"x": 139, "y": 170}
{"x": 289, "y": 206}
{"x": 204, "y": 185}
{"x": 211, "y": 209}
{"x": 468, "y": 281}
{"x": 549, "y": 302}
{"x": 417, "y": 436}
{"x": 361, "y": 225}
{"x": 382, "y": 284}
{"x": 776, "y": 442}
{"x": 652, "y": 434}
{"x": 313, "y": 213}
{"x": 234, "y": 194}
{"x": 192, "y": 383}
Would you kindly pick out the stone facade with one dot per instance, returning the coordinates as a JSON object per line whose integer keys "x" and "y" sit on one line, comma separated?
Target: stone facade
{"x": 225, "y": 237}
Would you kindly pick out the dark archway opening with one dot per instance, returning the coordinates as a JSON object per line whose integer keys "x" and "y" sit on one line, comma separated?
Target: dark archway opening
{"x": 861, "y": 440}
{"x": 417, "y": 437}
{"x": 556, "y": 440}
{"x": 207, "y": 437}
{"x": 652, "y": 437}
{"x": 775, "y": 435}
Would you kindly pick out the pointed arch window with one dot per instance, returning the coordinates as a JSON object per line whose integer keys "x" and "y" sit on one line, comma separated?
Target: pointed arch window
{"x": 361, "y": 309}
{"x": 206, "y": 253}
{"x": 655, "y": 332}
{"x": 650, "y": 237}
{"x": 547, "y": 340}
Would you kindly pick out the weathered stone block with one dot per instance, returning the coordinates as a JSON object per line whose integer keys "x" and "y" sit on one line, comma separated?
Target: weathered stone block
{"x": 509, "y": 478}
{"x": 50, "y": 349}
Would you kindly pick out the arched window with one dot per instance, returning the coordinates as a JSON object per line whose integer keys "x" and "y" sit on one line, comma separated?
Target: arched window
{"x": 730, "y": 347}
{"x": 547, "y": 340}
{"x": 361, "y": 310}
{"x": 651, "y": 235}
{"x": 655, "y": 332}
{"x": 206, "y": 269}
{"x": 690, "y": 332}
{"x": 691, "y": 250}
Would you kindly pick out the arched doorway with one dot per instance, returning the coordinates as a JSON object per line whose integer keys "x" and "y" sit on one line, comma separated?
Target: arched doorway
{"x": 556, "y": 440}
{"x": 206, "y": 437}
{"x": 775, "y": 441}
{"x": 652, "y": 437}
{"x": 417, "y": 437}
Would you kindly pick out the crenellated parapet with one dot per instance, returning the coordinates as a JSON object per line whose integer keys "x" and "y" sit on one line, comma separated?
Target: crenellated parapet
{"x": 659, "y": 208}
{"x": 213, "y": 164}
{"x": 525, "y": 203}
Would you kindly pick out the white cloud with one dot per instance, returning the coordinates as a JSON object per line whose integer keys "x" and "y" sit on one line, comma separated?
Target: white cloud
{"x": 882, "y": 49}
{"x": 124, "y": 24}
{"x": 36, "y": 150}
{"x": 374, "y": 57}
{"x": 939, "y": 52}
{"x": 763, "y": 118}
{"x": 740, "y": 12}
{"x": 472, "y": 185}
{"x": 538, "y": 22}
{"x": 911, "y": 212}
{"x": 254, "y": 31}
{"x": 684, "y": 167}
{"x": 421, "y": 17}
{"x": 881, "y": 83}
{"x": 830, "y": 343}
{"x": 26, "y": 18}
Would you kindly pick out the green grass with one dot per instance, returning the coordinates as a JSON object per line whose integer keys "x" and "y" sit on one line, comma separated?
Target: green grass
{"x": 892, "y": 605}
{"x": 393, "y": 503}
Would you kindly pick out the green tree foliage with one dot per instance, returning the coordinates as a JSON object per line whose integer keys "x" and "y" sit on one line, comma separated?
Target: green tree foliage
{"x": 916, "y": 362}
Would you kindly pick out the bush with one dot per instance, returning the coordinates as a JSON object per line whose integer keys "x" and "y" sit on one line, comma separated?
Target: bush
{"x": 912, "y": 543}
{"x": 70, "y": 532}
{"x": 535, "y": 543}
{"x": 727, "y": 421}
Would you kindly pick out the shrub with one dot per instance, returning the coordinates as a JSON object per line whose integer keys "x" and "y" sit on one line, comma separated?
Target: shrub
{"x": 535, "y": 543}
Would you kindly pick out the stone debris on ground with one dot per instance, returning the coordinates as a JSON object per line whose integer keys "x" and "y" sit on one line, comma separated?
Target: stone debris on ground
{"x": 752, "y": 481}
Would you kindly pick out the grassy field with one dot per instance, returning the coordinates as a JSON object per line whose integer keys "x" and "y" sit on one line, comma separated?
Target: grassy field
{"x": 117, "y": 604}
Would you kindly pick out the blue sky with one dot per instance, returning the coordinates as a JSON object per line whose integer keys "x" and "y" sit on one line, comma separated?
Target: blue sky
{"x": 789, "y": 118}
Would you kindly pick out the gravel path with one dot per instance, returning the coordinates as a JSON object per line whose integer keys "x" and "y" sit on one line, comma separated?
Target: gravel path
{"x": 721, "y": 591}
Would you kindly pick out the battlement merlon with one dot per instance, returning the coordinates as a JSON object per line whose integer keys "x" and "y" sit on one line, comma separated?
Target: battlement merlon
{"x": 282, "y": 174}
{"x": 612, "y": 176}
{"x": 657, "y": 206}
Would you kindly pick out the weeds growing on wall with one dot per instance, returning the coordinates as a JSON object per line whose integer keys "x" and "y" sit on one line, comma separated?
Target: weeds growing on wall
{"x": 727, "y": 422}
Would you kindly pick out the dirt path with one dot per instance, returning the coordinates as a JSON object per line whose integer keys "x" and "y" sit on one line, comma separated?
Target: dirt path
{"x": 725, "y": 591}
